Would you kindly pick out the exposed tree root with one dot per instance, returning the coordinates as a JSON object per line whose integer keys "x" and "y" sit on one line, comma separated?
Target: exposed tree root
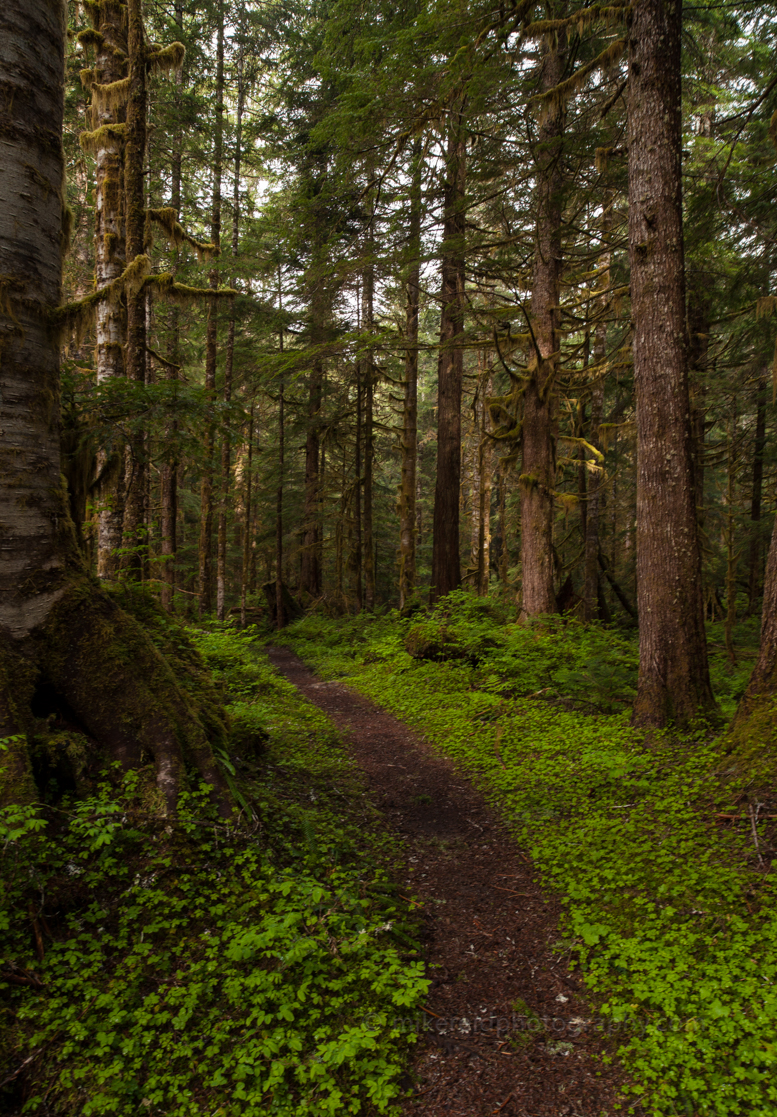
{"x": 96, "y": 661}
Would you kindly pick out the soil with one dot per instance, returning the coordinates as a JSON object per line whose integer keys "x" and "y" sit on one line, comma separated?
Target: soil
{"x": 505, "y": 1028}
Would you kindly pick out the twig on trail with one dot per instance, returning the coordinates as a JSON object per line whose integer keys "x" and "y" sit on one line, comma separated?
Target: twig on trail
{"x": 753, "y": 821}
{"x": 504, "y": 1103}
{"x": 429, "y": 1012}
{"x": 408, "y": 900}
{"x": 740, "y": 817}
{"x": 526, "y": 895}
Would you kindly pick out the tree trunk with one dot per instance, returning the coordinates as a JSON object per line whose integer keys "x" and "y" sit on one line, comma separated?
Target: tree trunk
{"x": 133, "y": 534}
{"x": 485, "y": 475}
{"x": 674, "y": 680}
{"x": 407, "y": 492}
{"x": 446, "y": 562}
{"x": 732, "y": 550}
{"x": 310, "y": 574}
{"x": 169, "y": 466}
{"x": 356, "y": 538}
{"x": 110, "y": 261}
{"x": 247, "y": 519}
{"x": 755, "y": 548}
{"x": 211, "y": 340}
{"x": 58, "y": 630}
{"x": 280, "y": 617}
{"x": 226, "y": 444}
{"x": 591, "y": 590}
{"x": 538, "y": 448}
{"x": 369, "y": 443}
{"x": 698, "y": 349}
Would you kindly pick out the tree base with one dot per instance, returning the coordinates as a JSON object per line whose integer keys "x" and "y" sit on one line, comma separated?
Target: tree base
{"x": 92, "y": 672}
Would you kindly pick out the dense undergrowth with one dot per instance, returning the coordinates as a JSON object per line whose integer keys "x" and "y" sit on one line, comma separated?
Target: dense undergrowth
{"x": 669, "y": 911}
{"x": 199, "y": 968}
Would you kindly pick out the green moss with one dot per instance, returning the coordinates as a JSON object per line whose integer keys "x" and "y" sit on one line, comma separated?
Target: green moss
{"x": 90, "y": 37}
{"x": 107, "y": 133}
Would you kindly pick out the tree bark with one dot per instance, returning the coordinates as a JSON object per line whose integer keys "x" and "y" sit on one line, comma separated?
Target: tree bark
{"x": 356, "y": 538}
{"x": 310, "y": 574}
{"x": 538, "y": 446}
{"x": 369, "y": 442}
{"x": 169, "y": 466}
{"x": 247, "y": 518}
{"x": 57, "y": 627}
{"x": 134, "y": 539}
{"x": 407, "y": 492}
{"x": 229, "y": 360}
{"x": 446, "y": 561}
{"x": 755, "y": 548}
{"x": 280, "y": 617}
{"x": 211, "y": 340}
{"x": 673, "y": 680}
{"x": 110, "y": 261}
{"x": 591, "y": 591}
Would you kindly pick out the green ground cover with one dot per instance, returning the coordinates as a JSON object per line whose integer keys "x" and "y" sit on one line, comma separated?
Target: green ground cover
{"x": 668, "y": 915}
{"x": 199, "y": 968}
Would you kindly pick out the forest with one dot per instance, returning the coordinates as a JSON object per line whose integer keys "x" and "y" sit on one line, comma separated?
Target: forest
{"x": 437, "y": 343}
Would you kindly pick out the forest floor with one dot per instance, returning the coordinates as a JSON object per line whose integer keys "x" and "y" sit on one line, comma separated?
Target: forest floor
{"x": 505, "y": 1028}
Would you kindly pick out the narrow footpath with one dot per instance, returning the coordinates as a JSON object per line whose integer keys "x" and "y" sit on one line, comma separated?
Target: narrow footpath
{"x": 505, "y": 1030}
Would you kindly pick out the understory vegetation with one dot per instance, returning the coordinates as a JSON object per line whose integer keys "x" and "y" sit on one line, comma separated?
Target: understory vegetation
{"x": 191, "y": 967}
{"x": 657, "y": 843}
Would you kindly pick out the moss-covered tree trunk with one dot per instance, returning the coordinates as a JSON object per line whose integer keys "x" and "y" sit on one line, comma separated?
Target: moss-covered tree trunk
{"x": 133, "y": 534}
{"x": 108, "y": 81}
{"x": 59, "y": 633}
{"x": 169, "y": 468}
{"x": 538, "y": 446}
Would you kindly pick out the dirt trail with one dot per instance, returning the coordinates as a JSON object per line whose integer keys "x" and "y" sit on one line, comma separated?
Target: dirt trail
{"x": 505, "y": 1031}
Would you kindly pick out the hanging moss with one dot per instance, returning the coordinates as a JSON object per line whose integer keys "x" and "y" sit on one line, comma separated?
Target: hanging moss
{"x": 93, "y": 11}
{"x": 552, "y": 101}
{"x": 90, "y": 37}
{"x": 111, "y": 97}
{"x": 87, "y": 78}
{"x": 167, "y": 219}
{"x": 110, "y": 244}
{"x": 167, "y": 58}
{"x": 115, "y": 133}
{"x": 76, "y": 317}
{"x": 166, "y": 286}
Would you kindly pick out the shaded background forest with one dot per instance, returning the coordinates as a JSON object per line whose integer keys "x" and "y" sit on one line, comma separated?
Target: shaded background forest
{"x": 340, "y": 157}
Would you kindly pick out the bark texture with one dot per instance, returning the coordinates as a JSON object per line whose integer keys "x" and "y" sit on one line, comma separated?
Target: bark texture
{"x": 33, "y": 504}
{"x": 592, "y": 593}
{"x": 134, "y": 527}
{"x": 109, "y": 121}
{"x": 673, "y": 673}
{"x": 211, "y": 340}
{"x": 538, "y": 444}
{"x": 407, "y": 491}
{"x": 446, "y": 561}
{"x": 60, "y": 634}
